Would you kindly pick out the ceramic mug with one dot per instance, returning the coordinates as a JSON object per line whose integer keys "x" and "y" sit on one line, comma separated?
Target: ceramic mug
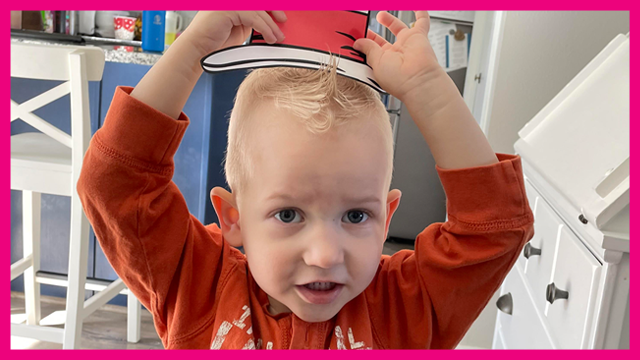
{"x": 124, "y": 27}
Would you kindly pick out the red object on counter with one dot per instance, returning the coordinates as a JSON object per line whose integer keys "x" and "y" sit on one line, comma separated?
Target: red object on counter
{"x": 123, "y": 48}
{"x": 123, "y": 23}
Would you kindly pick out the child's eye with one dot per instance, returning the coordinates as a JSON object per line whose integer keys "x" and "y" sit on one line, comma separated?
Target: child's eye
{"x": 356, "y": 216}
{"x": 287, "y": 215}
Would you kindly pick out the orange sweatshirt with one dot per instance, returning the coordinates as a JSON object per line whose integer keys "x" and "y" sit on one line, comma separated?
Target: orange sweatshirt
{"x": 201, "y": 292}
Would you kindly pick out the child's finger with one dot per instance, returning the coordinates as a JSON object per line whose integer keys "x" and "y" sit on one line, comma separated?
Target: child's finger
{"x": 269, "y": 28}
{"x": 258, "y": 24}
{"x": 272, "y": 24}
{"x": 279, "y": 16}
{"x": 371, "y": 49}
{"x": 421, "y": 14}
{"x": 423, "y": 21}
{"x": 394, "y": 24}
{"x": 377, "y": 38}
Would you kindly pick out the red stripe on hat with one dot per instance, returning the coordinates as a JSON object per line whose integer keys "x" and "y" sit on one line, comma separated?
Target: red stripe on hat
{"x": 328, "y": 31}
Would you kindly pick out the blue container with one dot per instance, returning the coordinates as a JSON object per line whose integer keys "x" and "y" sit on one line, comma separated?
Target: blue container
{"x": 153, "y": 30}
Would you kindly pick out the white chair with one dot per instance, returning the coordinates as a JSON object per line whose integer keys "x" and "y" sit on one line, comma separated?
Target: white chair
{"x": 49, "y": 162}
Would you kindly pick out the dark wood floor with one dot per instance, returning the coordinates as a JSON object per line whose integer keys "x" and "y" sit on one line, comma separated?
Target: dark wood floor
{"x": 107, "y": 327}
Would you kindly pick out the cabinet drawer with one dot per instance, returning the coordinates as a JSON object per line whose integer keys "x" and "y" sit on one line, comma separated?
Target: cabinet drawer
{"x": 577, "y": 272}
{"x": 542, "y": 246}
{"x": 523, "y": 329}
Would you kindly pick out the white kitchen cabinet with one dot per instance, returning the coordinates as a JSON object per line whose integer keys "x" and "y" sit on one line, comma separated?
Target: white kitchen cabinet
{"x": 538, "y": 255}
{"x": 572, "y": 288}
{"x": 524, "y": 317}
{"x": 576, "y": 273}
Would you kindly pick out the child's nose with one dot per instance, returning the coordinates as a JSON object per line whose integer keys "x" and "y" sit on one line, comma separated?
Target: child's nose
{"x": 324, "y": 248}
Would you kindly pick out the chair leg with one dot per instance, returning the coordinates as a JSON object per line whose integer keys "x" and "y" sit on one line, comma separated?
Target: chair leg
{"x": 31, "y": 246}
{"x": 78, "y": 256}
{"x": 133, "y": 318}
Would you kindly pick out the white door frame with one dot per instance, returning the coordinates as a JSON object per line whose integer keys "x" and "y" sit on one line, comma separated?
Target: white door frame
{"x": 485, "y": 65}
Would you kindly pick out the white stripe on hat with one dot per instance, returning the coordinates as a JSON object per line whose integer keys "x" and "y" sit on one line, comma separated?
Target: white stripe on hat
{"x": 259, "y": 55}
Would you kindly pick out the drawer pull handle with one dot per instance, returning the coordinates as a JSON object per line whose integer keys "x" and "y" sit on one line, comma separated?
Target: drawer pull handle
{"x": 553, "y": 293}
{"x": 505, "y": 303}
{"x": 530, "y": 251}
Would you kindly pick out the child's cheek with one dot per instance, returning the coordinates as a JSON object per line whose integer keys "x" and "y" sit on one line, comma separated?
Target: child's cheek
{"x": 276, "y": 230}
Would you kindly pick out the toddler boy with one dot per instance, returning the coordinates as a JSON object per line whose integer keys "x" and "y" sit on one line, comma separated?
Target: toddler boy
{"x": 309, "y": 163}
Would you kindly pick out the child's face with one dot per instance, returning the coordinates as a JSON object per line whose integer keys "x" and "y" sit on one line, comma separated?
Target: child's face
{"x": 315, "y": 210}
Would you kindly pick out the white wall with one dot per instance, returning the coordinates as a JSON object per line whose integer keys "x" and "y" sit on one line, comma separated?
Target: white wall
{"x": 541, "y": 52}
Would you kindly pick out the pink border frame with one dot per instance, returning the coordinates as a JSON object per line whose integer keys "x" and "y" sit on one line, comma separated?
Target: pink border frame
{"x": 5, "y": 199}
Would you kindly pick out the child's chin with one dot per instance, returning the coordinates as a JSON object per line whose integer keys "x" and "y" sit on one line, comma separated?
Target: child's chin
{"x": 312, "y": 315}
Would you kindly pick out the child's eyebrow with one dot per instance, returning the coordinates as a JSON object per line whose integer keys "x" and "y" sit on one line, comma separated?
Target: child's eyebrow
{"x": 288, "y": 197}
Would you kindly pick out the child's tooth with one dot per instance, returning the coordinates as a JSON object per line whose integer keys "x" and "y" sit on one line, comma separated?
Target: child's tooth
{"x": 320, "y": 286}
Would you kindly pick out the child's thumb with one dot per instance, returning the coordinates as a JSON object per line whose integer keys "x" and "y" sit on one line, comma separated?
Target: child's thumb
{"x": 369, "y": 48}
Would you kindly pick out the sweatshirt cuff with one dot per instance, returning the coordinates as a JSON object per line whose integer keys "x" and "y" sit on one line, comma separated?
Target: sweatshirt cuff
{"x": 137, "y": 131}
{"x": 491, "y": 196}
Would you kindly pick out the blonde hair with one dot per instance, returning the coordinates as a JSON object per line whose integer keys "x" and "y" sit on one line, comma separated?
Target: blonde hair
{"x": 320, "y": 99}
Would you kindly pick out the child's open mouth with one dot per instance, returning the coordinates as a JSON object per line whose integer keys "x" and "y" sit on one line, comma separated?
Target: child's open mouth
{"x": 319, "y": 292}
{"x": 320, "y": 286}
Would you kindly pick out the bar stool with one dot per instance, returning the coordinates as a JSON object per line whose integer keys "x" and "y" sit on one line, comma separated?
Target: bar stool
{"x": 49, "y": 162}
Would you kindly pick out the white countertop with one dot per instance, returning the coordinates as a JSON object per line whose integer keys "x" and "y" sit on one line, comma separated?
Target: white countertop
{"x": 112, "y": 53}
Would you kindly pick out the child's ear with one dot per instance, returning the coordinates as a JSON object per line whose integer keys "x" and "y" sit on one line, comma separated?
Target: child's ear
{"x": 225, "y": 206}
{"x": 393, "y": 200}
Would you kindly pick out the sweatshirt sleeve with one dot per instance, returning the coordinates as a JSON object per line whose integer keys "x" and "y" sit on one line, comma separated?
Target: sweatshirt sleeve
{"x": 428, "y": 298}
{"x": 167, "y": 258}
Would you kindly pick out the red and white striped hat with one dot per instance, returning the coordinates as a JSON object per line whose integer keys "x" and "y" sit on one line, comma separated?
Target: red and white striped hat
{"x": 309, "y": 38}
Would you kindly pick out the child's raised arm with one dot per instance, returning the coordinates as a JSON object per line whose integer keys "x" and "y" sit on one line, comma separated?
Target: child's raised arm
{"x": 409, "y": 70}
{"x": 168, "y": 259}
{"x": 168, "y": 84}
{"x": 436, "y": 292}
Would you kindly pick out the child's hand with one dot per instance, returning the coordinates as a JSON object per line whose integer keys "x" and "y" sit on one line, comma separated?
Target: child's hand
{"x": 407, "y": 64}
{"x": 409, "y": 70}
{"x": 214, "y": 30}
{"x": 166, "y": 87}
